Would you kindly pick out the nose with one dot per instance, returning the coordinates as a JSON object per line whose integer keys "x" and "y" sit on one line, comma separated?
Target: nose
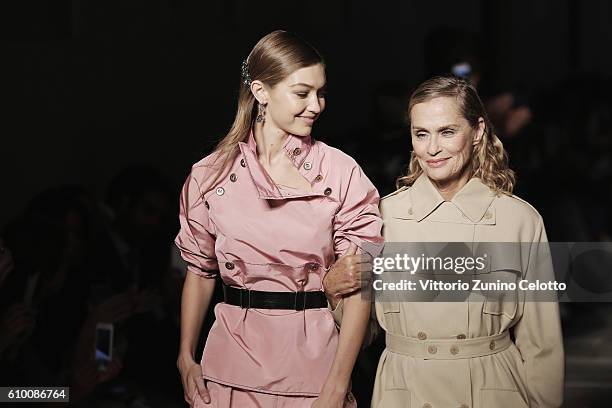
{"x": 433, "y": 148}
{"x": 314, "y": 106}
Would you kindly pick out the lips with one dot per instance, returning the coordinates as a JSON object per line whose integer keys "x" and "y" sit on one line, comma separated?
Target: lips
{"x": 308, "y": 119}
{"x": 437, "y": 162}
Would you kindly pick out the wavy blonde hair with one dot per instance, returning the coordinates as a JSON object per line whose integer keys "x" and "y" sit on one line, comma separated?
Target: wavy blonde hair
{"x": 489, "y": 159}
{"x": 272, "y": 59}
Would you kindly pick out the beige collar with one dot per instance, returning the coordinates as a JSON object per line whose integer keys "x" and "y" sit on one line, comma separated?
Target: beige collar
{"x": 473, "y": 199}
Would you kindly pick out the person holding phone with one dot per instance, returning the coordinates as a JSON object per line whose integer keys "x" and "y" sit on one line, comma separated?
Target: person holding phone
{"x": 500, "y": 350}
{"x": 269, "y": 211}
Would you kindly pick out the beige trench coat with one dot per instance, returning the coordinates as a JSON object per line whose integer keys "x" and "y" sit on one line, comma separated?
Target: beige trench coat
{"x": 430, "y": 368}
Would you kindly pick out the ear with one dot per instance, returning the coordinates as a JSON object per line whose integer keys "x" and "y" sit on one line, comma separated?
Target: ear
{"x": 259, "y": 92}
{"x": 480, "y": 130}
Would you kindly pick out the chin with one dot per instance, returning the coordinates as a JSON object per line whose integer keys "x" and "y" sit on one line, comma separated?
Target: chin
{"x": 302, "y": 131}
{"x": 438, "y": 175}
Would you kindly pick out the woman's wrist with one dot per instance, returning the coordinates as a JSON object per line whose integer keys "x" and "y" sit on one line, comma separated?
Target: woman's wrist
{"x": 336, "y": 387}
{"x": 185, "y": 358}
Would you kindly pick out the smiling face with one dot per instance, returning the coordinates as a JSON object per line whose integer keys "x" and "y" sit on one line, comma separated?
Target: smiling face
{"x": 296, "y": 102}
{"x": 443, "y": 140}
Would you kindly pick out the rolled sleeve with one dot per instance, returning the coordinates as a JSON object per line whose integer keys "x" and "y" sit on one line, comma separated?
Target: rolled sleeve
{"x": 196, "y": 238}
{"x": 358, "y": 219}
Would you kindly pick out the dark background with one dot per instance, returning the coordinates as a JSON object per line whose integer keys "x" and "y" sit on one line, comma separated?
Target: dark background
{"x": 94, "y": 88}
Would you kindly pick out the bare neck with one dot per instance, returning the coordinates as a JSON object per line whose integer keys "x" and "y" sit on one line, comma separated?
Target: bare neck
{"x": 270, "y": 141}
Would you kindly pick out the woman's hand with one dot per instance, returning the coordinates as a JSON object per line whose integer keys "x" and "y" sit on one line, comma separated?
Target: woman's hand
{"x": 348, "y": 274}
{"x": 333, "y": 395}
{"x": 191, "y": 377}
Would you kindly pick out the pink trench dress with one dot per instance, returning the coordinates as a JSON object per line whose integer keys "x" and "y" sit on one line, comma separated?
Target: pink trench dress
{"x": 258, "y": 236}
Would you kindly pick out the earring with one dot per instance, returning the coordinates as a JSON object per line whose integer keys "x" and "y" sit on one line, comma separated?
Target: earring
{"x": 261, "y": 113}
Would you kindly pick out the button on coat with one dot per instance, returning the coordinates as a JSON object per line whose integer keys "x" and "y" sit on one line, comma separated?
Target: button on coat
{"x": 527, "y": 373}
{"x": 261, "y": 237}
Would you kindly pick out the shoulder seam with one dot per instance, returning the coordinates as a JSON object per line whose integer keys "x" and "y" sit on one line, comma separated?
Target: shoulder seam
{"x": 399, "y": 190}
{"x": 529, "y": 205}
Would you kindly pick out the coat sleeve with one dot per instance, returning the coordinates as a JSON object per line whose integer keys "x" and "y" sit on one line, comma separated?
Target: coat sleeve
{"x": 538, "y": 333}
{"x": 358, "y": 219}
{"x": 196, "y": 237}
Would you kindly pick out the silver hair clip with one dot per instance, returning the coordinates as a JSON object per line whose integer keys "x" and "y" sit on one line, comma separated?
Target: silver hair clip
{"x": 246, "y": 77}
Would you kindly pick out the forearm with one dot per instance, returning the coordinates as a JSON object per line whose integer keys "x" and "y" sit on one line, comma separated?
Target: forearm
{"x": 195, "y": 300}
{"x": 356, "y": 312}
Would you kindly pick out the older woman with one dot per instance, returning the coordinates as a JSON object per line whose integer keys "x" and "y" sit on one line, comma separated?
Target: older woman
{"x": 496, "y": 352}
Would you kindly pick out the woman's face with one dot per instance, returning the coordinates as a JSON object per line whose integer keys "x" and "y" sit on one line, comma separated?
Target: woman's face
{"x": 442, "y": 139}
{"x": 296, "y": 102}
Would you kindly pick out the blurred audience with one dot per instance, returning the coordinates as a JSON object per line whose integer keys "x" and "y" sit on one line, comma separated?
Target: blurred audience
{"x": 69, "y": 262}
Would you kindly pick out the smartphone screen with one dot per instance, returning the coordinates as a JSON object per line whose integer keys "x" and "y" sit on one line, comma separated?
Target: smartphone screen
{"x": 104, "y": 344}
{"x": 462, "y": 69}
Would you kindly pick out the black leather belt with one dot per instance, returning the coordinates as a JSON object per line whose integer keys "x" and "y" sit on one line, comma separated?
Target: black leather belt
{"x": 257, "y": 299}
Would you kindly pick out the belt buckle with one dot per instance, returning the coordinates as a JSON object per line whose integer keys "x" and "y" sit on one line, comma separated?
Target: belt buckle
{"x": 299, "y": 304}
{"x": 248, "y": 291}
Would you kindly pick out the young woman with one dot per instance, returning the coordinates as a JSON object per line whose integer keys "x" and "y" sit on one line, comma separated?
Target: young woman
{"x": 269, "y": 211}
{"x": 489, "y": 351}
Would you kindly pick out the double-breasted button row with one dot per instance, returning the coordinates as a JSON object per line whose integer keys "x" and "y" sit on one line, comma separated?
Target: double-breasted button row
{"x": 433, "y": 349}
{"x": 229, "y": 265}
{"x": 327, "y": 191}
{"x": 233, "y": 177}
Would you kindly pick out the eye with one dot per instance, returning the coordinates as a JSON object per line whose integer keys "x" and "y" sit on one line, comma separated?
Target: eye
{"x": 420, "y": 135}
{"x": 302, "y": 94}
{"x": 322, "y": 94}
{"x": 448, "y": 133}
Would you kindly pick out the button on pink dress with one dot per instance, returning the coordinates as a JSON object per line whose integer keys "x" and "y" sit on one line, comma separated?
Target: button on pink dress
{"x": 262, "y": 237}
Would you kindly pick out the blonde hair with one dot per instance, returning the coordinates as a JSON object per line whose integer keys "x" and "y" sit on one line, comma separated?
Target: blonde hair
{"x": 489, "y": 159}
{"x": 272, "y": 59}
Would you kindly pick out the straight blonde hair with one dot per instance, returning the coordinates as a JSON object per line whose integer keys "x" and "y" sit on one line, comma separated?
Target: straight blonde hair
{"x": 271, "y": 60}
